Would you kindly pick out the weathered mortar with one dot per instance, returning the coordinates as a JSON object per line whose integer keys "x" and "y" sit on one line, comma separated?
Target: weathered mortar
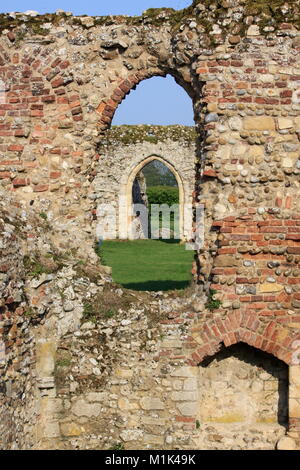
{"x": 64, "y": 78}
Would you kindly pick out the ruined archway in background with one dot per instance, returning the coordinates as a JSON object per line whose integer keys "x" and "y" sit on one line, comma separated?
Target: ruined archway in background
{"x": 125, "y": 215}
{"x": 107, "y": 109}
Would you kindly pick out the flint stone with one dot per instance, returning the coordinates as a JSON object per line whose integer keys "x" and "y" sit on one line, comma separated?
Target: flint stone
{"x": 82, "y": 408}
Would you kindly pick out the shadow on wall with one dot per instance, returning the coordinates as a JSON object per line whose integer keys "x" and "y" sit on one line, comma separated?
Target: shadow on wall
{"x": 157, "y": 285}
{"x": 267, "y": 378}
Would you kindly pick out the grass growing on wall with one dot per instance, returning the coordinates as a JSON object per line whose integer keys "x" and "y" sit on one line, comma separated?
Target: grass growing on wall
{"x": 152, "y": 265}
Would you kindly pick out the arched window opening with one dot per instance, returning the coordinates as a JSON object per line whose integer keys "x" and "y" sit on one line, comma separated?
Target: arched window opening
{"x": 141, "y": 262}
{"x": 151, "y": 166}
{"x": 155, "y": 196}
{"x": 159, "y": 101}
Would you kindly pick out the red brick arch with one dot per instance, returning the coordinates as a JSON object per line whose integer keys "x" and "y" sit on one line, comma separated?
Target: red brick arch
{"x": 269, "y": 336}
{"x": 107, "y": 107}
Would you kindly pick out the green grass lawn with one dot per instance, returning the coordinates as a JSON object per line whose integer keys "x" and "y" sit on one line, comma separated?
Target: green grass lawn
{"x": 148, "y": 264}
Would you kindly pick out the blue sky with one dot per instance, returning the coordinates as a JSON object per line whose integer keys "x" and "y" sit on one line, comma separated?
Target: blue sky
{"x": 93, "y": 7}
{"x": 155, "y": 101}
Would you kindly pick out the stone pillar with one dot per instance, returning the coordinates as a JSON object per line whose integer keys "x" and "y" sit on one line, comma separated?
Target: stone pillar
{"x": 48, "y": 406}
{"x": 294, "y": 402}
{"x": 292, "y": 440}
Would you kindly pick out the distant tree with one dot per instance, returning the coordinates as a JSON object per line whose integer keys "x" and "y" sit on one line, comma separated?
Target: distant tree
{"x": 158, "y": 174}
{"x": 163, "y": 195}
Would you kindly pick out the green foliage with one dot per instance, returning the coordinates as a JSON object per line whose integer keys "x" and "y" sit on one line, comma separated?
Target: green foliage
{"x": 33, "y": 266}
{"x": 81, "y": 262}
{"x": 46, "y": 224}
{"x": 30, "y": 313}
{"x": 157, "y": 11}
{"x": 62, "y": 294}
{"x": 117, "y": 446}
{"x": 99, "y": 251}
{"x": 89, "y": 312}
{"x": 37, "y": 29}
{"x": 158, "y": 174}
{"x": 269, "y": 13}
{"x": 109, "y": 313}
{"x": 163, "y": 195}
{"x": 198, "y": 424}
{"x": 64, "y": 362}
{"x": 48, "y": 263}
{"x": 212, "y": 303}
{"x": 105, "y": 305}
{"x": 132, "y": 134}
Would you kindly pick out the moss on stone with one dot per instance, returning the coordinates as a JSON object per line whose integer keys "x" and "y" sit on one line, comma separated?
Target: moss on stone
{"x": 34, "y": 24}
{"x": 265, "y": 13}
{"x": 127, "y": 135}
{"x": 107, "y": 304}
{"x": 36, "y": 264}
{"x": 270, "y": 12}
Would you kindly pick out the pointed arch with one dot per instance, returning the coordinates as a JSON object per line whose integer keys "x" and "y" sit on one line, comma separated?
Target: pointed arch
{"x": 271, "y": 336}
{"x": 126, "y": 194}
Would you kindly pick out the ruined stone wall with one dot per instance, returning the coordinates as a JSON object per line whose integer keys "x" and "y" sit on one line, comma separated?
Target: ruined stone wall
{"x": 63, "y": 79}
{"x": 239, "y": 401}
